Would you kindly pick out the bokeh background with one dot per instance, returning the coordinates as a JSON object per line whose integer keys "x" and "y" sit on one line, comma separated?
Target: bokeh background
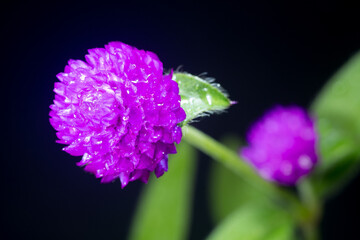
{"x": 263, "y": 53}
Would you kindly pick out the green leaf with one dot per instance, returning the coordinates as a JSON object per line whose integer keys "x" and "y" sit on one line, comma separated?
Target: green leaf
{"x": 227, "y": 191}
{"x": 199, "y": 97}
{"x": 255, "y": 222}
{"x": 164, "y": 209}
{"x": 337, "y": 110}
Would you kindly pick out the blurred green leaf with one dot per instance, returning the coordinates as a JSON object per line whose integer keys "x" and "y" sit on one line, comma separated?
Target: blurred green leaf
{"x": 337, "y": 110}
{"x": 227, "y": 190}
{"x": 255, "y": 222}
{"x": 164, "y": 209}
{"x": 199, "y": 97}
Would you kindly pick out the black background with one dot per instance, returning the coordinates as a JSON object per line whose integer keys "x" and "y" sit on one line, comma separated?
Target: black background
{"x": 262, "y": 53}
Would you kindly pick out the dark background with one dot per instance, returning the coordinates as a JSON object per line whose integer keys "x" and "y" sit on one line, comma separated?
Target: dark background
{"x": 262, "y": 53}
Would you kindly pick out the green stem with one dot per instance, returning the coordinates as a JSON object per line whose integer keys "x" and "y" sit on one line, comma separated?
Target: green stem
{"x": 310, "y": 232}
{"x": 311, "y": 201}
{"x": 232, "y": 161}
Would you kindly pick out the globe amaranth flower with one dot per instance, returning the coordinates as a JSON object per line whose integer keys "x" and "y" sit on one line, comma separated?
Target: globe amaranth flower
{"x": 119, "y": 112}
{"x": 282, "y": 145}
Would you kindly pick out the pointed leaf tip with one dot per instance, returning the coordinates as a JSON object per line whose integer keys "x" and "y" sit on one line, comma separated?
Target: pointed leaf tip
{"x": 199, "y": 97}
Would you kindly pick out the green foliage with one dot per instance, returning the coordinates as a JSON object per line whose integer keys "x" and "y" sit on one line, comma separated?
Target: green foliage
{"x": 255, "y": 222}
{"x": 164, "y": 209}
{"x": 337, "y": 110}
{"x": 227, "y": 191}
{"x": 199, "y": 97}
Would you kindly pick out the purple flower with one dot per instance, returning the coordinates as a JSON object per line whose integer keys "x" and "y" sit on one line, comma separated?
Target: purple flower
{"x": 282, "y": 145}
{"x": 119, "y": 112}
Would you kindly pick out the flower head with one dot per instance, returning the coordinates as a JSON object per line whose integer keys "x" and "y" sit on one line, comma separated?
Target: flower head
{"x": 119, "y": 112}
{"x": 282, "y": 145}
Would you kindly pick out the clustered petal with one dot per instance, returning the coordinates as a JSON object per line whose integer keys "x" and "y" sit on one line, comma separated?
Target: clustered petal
{"x": 119, "y": 112}
{"x": 282, "y": 145}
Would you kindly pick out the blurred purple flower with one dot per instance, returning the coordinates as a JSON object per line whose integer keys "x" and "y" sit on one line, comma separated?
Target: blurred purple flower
{"x": 282, "y": 145}
{"x": 119, "y": 112}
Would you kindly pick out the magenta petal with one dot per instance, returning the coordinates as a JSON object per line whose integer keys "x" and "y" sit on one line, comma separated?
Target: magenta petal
{"x": 107, "y": 179}
{"x": 161, "y": 167}
{"x": 124, "y": 179}
{"x": 143, "y": 175}
{"x": 119, "y": 111}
